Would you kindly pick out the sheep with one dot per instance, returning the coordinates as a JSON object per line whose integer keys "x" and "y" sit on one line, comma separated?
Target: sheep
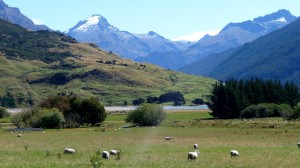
{"x": 114, "y": 152}
{"x": 105, "y": 155}
{"x": 19, "y": 135}
{"x": 196, "y": 146}
{"x": 69, "y": 151}
{"x": 193, "y": 155}
{"x": 298, "y": 144}
{"x": 168, "y": 138}
{"x": 234, "y": 153}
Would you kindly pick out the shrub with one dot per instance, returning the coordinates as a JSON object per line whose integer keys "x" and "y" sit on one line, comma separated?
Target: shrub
{"x": 198, "y": 101}
{"x": 3, "y": 112}
{"x": 146, "y": 115}
{"x": 38, "y": 117}
{"x": 286, "y": 112}
{"x": 54, "y": 119}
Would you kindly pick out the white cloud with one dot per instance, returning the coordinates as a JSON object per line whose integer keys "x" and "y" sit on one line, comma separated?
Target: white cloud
{"x": 196, "y": 35}
{"x": 37, "y": 21}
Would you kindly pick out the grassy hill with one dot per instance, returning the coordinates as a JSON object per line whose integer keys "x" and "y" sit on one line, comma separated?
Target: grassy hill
{"x": 35, "y": 65}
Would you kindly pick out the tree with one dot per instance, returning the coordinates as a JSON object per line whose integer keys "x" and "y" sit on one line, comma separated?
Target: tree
{"x": 175, "y": 97}
{"x": 138, "y": 101}
{"x": 198, "y": 101}
{"x": 92, "y": 111}
{"x": 146, "y": 115}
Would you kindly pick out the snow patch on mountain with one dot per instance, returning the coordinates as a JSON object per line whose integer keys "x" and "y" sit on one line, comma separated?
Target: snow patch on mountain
{"x": 91, "y": 21}
{"x": 280, "y": 20}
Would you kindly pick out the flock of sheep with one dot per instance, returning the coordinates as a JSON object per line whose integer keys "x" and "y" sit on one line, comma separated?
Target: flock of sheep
{"x": 194, "y": 155}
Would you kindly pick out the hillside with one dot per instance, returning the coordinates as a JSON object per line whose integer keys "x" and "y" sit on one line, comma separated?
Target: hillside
{"x": 231, "y": 36}
{"x": 14, "y": 15}
{"x": 275, "y": 56}
{"x": 37, "y": 64}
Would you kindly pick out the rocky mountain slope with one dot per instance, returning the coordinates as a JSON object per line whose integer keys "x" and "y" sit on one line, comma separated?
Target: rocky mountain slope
{"x": 14, "y": 15}
{"x": 96, "y": 29}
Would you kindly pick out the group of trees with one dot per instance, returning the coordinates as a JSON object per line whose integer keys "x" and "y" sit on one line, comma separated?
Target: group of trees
{"x": 229, "y": 99}
{"x": 63, "y": 111}
{"x": 175, "y": 97}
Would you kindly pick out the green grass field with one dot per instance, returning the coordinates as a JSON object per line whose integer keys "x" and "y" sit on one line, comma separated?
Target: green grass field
{"x": 146, "y": 147}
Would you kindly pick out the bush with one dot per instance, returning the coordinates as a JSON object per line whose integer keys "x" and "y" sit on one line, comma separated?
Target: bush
{"x": 146, "y": 115}
{"x": 3, "y": 112}
{"x": 39, "y": 118}
{"x": 264, "y": 110}
{"x": 198, "y": 101}
{"x": 54, "y": 119}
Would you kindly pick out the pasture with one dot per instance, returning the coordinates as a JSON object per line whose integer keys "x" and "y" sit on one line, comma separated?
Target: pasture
{"x": 147, "y": 147}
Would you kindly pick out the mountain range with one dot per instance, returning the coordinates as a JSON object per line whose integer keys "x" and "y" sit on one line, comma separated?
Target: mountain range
{"x": 14, "y": 15}
{"x": 231, "y": 36}
{"x": 96, "y": 29}
{"x": 274, "y": 56}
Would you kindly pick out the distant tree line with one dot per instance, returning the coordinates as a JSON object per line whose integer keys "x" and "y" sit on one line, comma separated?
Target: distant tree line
{"x": 230, "y": 98}
{"x": 176, "y": 97}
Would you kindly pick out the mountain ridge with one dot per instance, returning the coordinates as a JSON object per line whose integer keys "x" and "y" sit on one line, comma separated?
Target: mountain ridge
{"x": 14, "y": 15}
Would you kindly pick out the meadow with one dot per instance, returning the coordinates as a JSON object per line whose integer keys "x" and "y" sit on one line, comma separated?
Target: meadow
{"x": 260, "y": 144}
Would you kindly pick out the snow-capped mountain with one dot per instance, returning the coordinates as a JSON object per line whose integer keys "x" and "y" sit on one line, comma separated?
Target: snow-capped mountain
{"x": 231, "y": 36}
{"x": 14, "y": 15}
{"x": 234, "y": 35}
{"x": 96, "y": 29}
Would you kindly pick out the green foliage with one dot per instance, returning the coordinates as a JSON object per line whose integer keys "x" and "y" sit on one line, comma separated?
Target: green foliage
{"x": 198, "y": 101}
{"x": 296, "y": 114}
{"x": 265, "y": 110}
{"x": 77, "y": 111}
{"x": 138, "y": 101}
{"x": 92, "y": 111}
{"x": 55, "y": 119}
{"x": 3, "y": 112}
{"x": 146, "y": 115}
{"x": 230, "y": 98}
{"x": 39, "y": 118}
{"x": 175, "y": 97}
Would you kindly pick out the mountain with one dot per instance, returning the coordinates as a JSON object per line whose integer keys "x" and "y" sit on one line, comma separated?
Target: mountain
{"x": 96, "y": 29}
{"x": 274, "y": 56}
{"x": 14, "y": 15}
{"x": 231, "y": 36}
{"x": 37, "y": 64}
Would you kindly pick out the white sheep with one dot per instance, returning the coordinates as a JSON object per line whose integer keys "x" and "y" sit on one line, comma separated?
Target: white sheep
{"x": 195, "y": 146}
{"x": 114, "y": 152}
{"x": 234, "y": 153}
{"x": 193, "y": 155}
{"x": 19, "y": 135}
{"x": 69, "y": 151}
{"x": 105, "y": 155}
{"x": 168, "y": 138}
{"x": 298, "y": 144}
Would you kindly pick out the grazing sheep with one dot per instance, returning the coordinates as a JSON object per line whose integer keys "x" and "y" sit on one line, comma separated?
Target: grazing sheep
{"x": 193, "y": 155}
{"x": 105, "y": 155}
{"x": 114, "y": 152}
{"x": 195, "y": 146}
{"x": 19, "y": 135}
{"x": 168, "y": 138}
{"x": 69, "y": 151}
{"x": 234, "y": 153}
{"x": 298, "y": 144}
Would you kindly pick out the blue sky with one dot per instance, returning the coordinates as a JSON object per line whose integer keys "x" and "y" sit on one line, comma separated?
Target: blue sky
{"x": 188, "y": 19}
